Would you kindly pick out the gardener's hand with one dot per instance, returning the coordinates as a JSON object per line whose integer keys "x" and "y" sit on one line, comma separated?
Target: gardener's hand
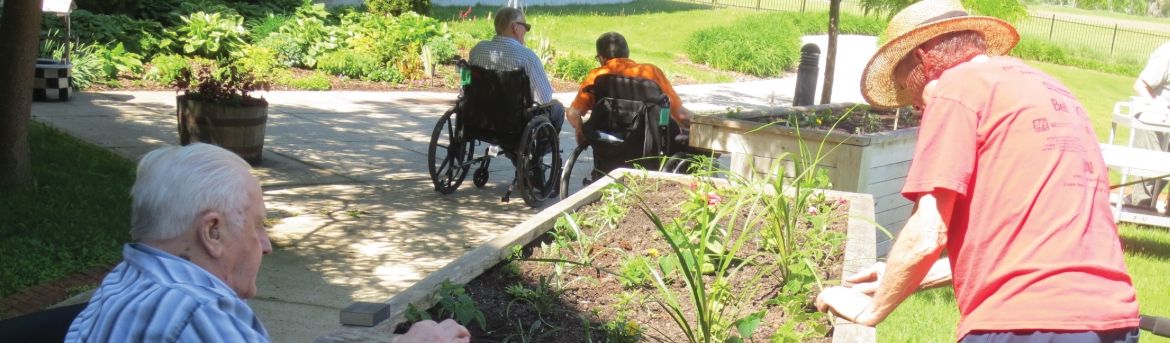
{"x": 868, "y": 280}
{"x": 430, "y": 332}
{"x": 847, "y": 303}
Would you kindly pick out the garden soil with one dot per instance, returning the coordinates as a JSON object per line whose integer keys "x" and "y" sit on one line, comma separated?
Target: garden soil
{"x": 590, "y": 294}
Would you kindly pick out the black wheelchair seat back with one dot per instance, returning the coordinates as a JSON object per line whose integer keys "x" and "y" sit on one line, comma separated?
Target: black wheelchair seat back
{"x": 495, "y": 105}
{"x": 626, "y": 122}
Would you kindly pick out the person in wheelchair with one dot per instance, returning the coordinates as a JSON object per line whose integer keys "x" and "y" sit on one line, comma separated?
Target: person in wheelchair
{"x": 614, "y": 55}
{"x": 506, "y": 51}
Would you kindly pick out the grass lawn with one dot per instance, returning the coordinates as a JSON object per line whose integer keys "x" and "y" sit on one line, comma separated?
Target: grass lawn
{"x": 75, "y": 216}
{"x": 931, "y": 316}
{"x": 654, "y": 30}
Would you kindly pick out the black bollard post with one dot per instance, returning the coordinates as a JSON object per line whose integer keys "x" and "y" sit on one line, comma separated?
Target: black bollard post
{"x": 806, "y": 75}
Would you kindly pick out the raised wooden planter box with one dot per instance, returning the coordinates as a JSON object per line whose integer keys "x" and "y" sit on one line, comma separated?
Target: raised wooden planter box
{"x": 872, "y": 163}
{"x": 859, "y": 253}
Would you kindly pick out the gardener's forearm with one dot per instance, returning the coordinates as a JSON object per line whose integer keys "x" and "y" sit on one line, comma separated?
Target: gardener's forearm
{"x": 918, "y": 247}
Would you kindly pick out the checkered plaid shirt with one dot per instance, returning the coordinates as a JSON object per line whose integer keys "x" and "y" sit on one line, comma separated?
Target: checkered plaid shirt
{"x": 504, "y": 53}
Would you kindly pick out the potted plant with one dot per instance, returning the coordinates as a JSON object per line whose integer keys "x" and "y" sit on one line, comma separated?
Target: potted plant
{"x": 215, "y": 107}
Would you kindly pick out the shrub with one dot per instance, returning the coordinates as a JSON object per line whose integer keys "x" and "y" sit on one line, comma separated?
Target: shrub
{"x": 754, "y": 45}
{"x": 313, "y": 82}
{"x": 386, "y": 74}
{"x": 117, "y": 61}
{"x": 258, "y": 29}
{"x": 107, "y": 6}
{"x": 572, "y": 67}
{"x": 442, "y": 48}
{"x": 398, "y": 7}
{"x": 208, "y": 35}
{"x": 87, "y": 66}
{"x": 304, "y": 38}
{"x": 1039, "y": 50}
{"x": 347, "y": 63}
{"x": 258, "y": 61}
{"x": 165, "y": 68}
{"x": 89, "y": 27}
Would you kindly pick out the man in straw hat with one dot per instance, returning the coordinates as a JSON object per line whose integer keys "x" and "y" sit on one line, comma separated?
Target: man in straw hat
{"x": 1007, "y": 177}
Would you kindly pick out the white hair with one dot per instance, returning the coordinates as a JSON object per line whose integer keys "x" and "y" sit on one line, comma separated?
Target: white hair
{"x": 177, "y": 185}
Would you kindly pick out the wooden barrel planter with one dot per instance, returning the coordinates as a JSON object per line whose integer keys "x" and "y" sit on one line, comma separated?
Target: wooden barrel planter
{"x": 235, "y": 127}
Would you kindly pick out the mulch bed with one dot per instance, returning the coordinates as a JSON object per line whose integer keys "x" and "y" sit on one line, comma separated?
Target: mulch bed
{"x": 590, "y": 293}
{"x": 49, "y": 293}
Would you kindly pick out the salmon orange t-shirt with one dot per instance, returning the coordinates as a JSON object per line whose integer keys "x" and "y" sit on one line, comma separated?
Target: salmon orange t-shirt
{"x": 1032, "y": 241}
{"x": 626, "y": 67}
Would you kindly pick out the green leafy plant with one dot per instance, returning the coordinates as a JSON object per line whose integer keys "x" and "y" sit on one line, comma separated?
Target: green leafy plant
{"x": 219, "y": 84}
{"x": 399, "y": 7}
{"x": 87, "y": 66}
{"x": 304, "y": 38}
{"x": 572, "y": 67}
{"x": 635, "y": 271}
{"x": 707, "y": 242}
{"x": 347, "y": 63}
{"x": 165, "y": 68}
{"x": 117, "y": 61}
{"x": 258, "y": 29}
{"x": 315, "y": 81}
{"x": 541, "y": 297}
{"x": 210, "y": 35}
{"x": 453, "y": 303}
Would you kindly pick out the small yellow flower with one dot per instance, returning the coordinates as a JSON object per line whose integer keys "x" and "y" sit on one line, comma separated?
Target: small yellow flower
{"x": 652, "y": 252}
{"x": 632, "y": 326}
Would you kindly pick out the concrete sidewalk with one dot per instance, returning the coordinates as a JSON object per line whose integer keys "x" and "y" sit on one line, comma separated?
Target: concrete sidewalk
{"x": 346, "y": 174}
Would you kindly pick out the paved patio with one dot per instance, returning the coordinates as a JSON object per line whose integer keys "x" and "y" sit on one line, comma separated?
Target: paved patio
{"x": 346, "y": 174}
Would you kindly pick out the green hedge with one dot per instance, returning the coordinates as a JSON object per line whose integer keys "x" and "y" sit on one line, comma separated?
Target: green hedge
{"x": 767, "y": 45}
{"x": 1037, "y": 50}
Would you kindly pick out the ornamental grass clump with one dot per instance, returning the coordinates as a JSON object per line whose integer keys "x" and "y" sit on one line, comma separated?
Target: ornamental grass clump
{"x": 727, "y": 227}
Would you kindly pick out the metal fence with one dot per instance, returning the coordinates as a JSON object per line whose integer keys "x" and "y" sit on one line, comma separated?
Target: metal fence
{"x": 1113, "y": 39}
{"x": 1106, "y": 39}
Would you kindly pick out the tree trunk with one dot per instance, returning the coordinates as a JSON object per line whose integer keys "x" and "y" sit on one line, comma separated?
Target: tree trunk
{"x": 19, "y": 29}
{"x": 1153, "y": 10}
{"x": 831, "y": 54}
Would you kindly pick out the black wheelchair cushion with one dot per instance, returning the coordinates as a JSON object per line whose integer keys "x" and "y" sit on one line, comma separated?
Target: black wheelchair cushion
{"x": 496, "y": 104}
{"x": 49, "y": 325}
{"x": 624, "y": 126}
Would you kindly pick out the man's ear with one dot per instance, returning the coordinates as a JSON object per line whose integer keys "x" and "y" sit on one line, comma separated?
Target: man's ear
{"x": 211, "y": 234}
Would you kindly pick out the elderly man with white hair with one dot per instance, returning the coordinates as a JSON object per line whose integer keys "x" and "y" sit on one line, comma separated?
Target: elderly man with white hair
{"x": 197, "y": 223}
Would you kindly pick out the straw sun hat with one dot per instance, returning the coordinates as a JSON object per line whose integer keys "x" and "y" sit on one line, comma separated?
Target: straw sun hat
{"x": 914, "y": 26}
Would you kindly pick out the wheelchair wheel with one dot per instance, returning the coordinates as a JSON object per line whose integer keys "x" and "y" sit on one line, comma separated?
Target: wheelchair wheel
{"x": 679, "y": 163}
{"x": 448, "y": 156}
{"x": 539, "y": 169}
{"x": 567, "y": 171}
{"x": 480, "y": 178}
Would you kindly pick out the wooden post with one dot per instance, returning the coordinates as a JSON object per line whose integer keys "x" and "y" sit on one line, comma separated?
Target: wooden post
{"x": 831, "y": 55}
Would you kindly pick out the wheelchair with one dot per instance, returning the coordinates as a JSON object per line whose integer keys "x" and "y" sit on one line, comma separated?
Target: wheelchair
{"x": 496, "y": 108}
{"x": 630, "y": 126}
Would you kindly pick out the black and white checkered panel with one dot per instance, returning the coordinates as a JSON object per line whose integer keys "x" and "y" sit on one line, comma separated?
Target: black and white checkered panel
{"x": 51, "y": 82}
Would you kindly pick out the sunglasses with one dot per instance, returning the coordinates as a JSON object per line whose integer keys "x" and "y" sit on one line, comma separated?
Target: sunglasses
{"x": 527, "y": 26}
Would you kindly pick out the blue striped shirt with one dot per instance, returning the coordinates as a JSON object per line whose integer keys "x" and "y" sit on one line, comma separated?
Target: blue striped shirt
{"x": 505, "y": 53}
{"x": 153, "y": 296}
